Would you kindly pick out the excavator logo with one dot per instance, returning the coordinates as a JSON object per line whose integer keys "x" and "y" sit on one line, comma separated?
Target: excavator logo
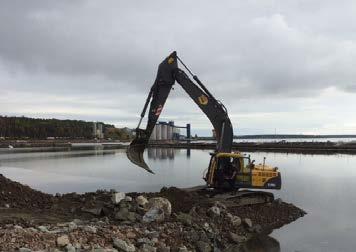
{"x": 171, "y": 60}
{"x": 203, "y": 100}
{"x": 159, "y": 110}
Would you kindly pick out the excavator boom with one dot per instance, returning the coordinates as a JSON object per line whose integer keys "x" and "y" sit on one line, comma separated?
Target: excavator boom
{"x": 169, "y": 73}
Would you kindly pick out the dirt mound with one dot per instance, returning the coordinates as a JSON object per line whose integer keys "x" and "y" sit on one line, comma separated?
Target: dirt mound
{"x": 181, "y": 200}
{"x": 16, "y": 195}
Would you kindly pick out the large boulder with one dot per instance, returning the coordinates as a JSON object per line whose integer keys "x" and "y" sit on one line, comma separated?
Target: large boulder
{"x": 162, "y": 203}
{"x": 154, "y": 214}
{"x": 116, "y": 198}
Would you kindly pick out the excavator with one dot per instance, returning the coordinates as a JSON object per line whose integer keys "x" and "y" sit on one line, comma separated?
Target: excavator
{"x": 227, "y": 170}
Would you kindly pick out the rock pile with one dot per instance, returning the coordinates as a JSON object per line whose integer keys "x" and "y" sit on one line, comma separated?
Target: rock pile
{"x": 171, "y": 220}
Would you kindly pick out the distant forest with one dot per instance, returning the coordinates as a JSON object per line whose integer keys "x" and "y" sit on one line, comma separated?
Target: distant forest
{"x": 31, "y": 128}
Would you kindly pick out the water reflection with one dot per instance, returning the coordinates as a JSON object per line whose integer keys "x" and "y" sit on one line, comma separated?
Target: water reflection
{"x": 165, "y": 153}
{"x": 258, "y": 244}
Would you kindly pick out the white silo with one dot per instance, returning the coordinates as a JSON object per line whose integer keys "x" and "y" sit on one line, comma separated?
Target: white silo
{"x": 158, "y": 132}
{"x": 164, "y": 131}
{"x": 169, "y": 132}
{"x": 153, "y": 134}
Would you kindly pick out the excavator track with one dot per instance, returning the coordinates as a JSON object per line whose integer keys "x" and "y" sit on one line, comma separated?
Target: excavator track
{"x": 234, "y": 198}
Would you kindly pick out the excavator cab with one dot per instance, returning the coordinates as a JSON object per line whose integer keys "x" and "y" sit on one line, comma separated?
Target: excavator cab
{"x": 234, "y": 170}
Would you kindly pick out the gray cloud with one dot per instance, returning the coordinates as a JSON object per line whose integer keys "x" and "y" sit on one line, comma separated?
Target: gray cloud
{"x": 94, "y": 53}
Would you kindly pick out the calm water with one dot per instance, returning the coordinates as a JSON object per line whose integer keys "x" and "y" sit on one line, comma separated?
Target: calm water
{"x": 273, "y": 140}
{"x": 322, "y": 185}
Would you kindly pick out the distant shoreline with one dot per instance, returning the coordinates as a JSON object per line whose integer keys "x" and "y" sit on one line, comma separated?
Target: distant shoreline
{"x": 279, "y": 147}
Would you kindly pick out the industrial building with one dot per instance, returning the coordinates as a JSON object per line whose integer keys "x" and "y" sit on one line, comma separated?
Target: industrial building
{"x": 98, "y": 130}
{"x": 168, "y": 131}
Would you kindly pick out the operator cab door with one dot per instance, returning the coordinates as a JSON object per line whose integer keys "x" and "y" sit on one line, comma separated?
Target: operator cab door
{"x": 244, "y": 175}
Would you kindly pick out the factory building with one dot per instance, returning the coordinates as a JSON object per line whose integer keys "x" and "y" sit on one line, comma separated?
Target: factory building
{"x": 98, "y": 130}
{"x": 165, "y": 131}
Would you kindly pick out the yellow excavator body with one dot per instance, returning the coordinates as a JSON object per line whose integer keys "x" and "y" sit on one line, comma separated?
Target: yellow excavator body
{"x": 237, "y": 170}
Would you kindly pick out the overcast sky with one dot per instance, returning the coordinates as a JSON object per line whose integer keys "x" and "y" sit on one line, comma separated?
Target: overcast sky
{"x": 284, "y": 66}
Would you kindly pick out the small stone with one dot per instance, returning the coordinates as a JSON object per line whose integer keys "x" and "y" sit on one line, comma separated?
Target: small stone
{"x": 123, "y": 245}
{"x": 72, "y": 226}
{"x": 128, "y": 198}
{"x": 182, "y": 249}
{"x": 164, "y": 249}
{"x": 62, "y": 240}
{"x": 235, "y": 221}
{"x": 42, "y": 229}
{"x": 90, "y": 229}
{"x": 70, "y": 248}
{"x": 220, "y": 205}
{"x": 77, "y": 245}
{"x": 130, "y": 235}
{"x": 24, "y": 250}
{"x": 117, "y": 197}
{"x": 154, "y": 214}
{"x": 147, "y": 248}
{"x": 237, "y": 238}
{"x": 202, "y": 246}
{"x": 7, "y": 205}
{"x": 248, "y": 222}
{"x": 184, "y": 218}
{"x": 32, "y": 229}
{"x": 213, "y": 211}
{"x": 257, "y": 228}
{"x": 141, "y": 201}
{"x": 144, "y": 241}
{"x": 152, "y": 234}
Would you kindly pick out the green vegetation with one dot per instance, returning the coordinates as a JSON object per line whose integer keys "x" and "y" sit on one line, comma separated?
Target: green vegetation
{"x": 31, "y": 128}
{"x": 117, "y": 134}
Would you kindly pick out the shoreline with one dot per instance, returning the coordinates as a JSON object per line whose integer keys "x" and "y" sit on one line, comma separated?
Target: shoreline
{"x": 278, "y": 147}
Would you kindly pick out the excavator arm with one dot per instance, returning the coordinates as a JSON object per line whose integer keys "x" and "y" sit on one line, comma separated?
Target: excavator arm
{"x": 169, "y": 73}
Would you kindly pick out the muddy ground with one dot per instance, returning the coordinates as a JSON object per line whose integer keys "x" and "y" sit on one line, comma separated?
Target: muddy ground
{"x": 34, "y": 220}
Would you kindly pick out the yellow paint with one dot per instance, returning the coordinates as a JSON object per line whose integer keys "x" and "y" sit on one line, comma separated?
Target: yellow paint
{"x": 229, "y": 154}
{"x": 212, "y": 171}
{"x": 171, "y": 60}
{"x": 203, "y": 100}
{"x": 260, "y": 177}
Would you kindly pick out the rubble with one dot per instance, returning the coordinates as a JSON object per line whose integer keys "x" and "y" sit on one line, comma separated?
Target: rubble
{"x": 118, "y": 197}
{"x": 171, "y": 220}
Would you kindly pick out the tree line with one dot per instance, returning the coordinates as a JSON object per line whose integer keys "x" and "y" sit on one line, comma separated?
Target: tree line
{"x": 33, "y": 128}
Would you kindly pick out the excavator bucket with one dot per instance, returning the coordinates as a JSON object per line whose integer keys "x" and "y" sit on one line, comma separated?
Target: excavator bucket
{"x": 135, "y": 153}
